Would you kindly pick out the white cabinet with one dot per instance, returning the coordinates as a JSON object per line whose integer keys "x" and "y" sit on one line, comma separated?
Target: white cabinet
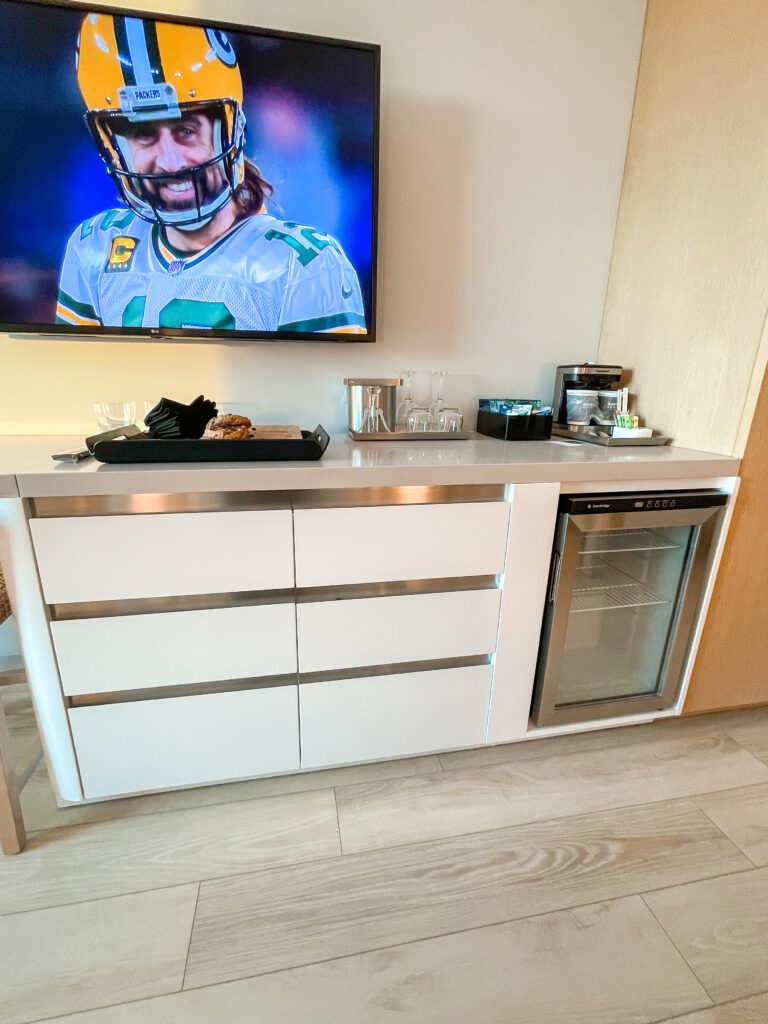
{"x": 399, "y": 542}
{"x": 377, "y": 635}
{"x": 128, "y": 652}
{"x": 185, "y": 741}
{"x": 108, "y": 558}
{"x": 376, "y": 717}
{"x": 387, "y": 630}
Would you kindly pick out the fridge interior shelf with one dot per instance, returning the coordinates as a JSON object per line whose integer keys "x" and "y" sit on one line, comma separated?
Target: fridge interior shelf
{"x": 634, "y": 596}
{"x": 624, "y": 540}
{"x": 600, "y": 576}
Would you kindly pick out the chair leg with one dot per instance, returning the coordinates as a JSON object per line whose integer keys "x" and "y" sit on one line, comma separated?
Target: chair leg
{"x": 12, "y": 834}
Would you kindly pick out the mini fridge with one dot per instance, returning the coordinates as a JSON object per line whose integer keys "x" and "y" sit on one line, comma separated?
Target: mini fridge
{"x": 625, "y": 583}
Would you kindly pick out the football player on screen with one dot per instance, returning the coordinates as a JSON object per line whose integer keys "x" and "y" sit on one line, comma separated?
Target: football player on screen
{"x": 193, "y": 246}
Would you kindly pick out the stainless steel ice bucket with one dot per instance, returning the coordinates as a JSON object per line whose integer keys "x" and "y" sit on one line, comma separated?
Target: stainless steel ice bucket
{"x": 358, "y": 399}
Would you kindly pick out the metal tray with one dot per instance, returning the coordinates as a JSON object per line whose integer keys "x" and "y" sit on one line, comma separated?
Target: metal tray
{"x": 403, "y": 435}
{"x": 591, "y": 436}
{"x": 143, "y": 448}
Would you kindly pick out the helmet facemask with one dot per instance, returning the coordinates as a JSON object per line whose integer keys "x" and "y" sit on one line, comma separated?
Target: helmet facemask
{"x": 213, "y": 182}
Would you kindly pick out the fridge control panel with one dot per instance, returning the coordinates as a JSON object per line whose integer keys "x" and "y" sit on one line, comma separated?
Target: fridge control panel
{"x": 596, "y": 504}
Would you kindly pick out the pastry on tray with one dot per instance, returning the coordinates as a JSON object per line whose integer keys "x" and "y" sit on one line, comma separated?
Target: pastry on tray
{"x": 240, "y": 428}
{"x": 227, "y": 428}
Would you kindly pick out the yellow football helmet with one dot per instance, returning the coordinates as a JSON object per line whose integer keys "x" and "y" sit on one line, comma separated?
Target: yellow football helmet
{"x": 134, "y": 70}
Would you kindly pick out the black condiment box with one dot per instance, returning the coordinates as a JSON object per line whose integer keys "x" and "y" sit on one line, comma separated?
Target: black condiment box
{"x": 514, "y": 428}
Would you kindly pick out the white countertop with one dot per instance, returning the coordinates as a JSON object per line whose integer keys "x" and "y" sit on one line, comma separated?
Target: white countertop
{"x": 26, "y": 467}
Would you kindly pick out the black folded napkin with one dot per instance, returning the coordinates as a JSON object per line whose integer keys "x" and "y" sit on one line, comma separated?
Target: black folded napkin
{"x": 172, "y": 419}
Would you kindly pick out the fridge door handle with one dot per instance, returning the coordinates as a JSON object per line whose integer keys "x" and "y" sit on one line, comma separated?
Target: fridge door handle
{"x": 554, "y": 577}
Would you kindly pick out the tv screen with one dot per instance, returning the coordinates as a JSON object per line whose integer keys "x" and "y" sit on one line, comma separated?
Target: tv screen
{"x": 169, "y": 178}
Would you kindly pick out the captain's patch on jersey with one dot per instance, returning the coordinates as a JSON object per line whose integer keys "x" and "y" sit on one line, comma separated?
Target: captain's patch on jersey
{"x": 121, "y": 253}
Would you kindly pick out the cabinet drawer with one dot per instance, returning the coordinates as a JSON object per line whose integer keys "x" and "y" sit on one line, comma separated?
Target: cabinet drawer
{"x": 387, "y": 630}
{"x": 127, "y": 652}
{"x": 185, "y": 741}
{"x": 106, "y": 558}
{"x": 369, "y": 719}
{"x": 401, "y": 542}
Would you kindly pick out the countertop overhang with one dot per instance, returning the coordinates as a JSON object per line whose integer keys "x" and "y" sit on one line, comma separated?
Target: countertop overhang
{"x": 27, "y": 470}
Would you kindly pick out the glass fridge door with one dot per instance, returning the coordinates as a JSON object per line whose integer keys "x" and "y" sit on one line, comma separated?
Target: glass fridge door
{"x": 620, "y": 613}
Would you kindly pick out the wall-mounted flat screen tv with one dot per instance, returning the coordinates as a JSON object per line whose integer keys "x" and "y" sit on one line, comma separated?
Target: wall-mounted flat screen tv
{"x": 178, "y": 179}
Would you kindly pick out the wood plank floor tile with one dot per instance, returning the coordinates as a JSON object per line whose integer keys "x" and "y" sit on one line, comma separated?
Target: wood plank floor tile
{"x": 605, "y": 964}
{"x": 743, "y": 815}
{"x": 753, "y": 734}
{"x": 528, "y": 750}
{"x": 754, "y": 720}
{"x": 41, "y": 811}
{"x": 721, "y": 928}
{"x": 285, "y": 917}
{"x": 92, "y": 954}
{"x": 744, "y": 1011}
{"x": 90, "y": 861}
{"x": 377, "y": 815}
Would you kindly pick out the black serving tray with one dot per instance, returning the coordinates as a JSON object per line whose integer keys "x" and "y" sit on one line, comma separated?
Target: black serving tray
{"x": 143, "y": 448}
{"x": 514, "y": 428}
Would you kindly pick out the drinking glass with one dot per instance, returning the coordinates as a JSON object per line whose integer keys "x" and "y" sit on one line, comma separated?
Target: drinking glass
{"x": 418, "y": 421}
{"x": 146, "y": 407}
{"x": 114, "y": 414}
{"x": 450, "y": 420}
{"x": 439, "y": 403}
{"x": 407, "y": 403}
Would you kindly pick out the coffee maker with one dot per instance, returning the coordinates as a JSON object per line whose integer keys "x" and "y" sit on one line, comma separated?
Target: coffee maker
{"x": 593, "y": 376}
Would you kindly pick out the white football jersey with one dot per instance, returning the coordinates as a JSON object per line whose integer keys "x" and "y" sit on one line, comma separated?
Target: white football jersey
{"x": 263, "y": 274}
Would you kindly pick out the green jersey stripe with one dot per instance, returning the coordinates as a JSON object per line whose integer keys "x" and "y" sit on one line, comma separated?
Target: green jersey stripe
{"x": 81, "y": 308}
{"x": 325, "y": 323}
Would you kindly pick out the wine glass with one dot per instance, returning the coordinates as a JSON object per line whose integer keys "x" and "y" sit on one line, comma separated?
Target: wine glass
{"x": 407, "y": 403}
{"x": 439, "y": 403}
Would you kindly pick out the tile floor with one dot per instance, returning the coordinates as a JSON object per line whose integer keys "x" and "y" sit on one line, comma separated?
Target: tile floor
{"x": 616, "y": 877}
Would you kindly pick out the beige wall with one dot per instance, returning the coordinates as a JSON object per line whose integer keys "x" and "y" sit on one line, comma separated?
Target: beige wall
{"x": 504, "y": 131}
{"x": 688, "y": 290}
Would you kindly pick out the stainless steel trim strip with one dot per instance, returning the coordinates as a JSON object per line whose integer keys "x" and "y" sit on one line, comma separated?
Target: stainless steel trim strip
{"x": 257, "y": 683}
{"x": 396, "y": 668}
{"x": 364, "y": 497}
{"x": 354, "y": 591}
{"x": 146, "y": 504}
{"x": 182, "y": 603}
{"x": 246, "y": 501}
{"x": 240, "y": 599}
{"x": 89, "y": 700}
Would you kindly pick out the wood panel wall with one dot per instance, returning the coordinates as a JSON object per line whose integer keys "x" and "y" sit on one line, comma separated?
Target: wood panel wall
{"x": 688, "y": 291}
{"x": 731, "y": 668}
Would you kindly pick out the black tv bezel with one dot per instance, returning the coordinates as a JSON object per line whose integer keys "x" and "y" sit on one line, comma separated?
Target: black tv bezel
{"x": 150, "y": 334}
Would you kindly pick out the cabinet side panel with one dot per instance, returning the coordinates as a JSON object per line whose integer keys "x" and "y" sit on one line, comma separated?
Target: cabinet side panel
{"x": 531, "y": 531}
{"x": 20, "y": 571}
